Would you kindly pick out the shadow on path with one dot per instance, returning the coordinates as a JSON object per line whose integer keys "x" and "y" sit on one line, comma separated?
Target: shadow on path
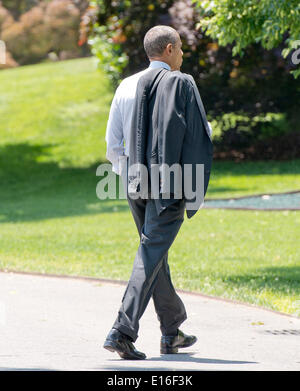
{"x": 188, "y": 357}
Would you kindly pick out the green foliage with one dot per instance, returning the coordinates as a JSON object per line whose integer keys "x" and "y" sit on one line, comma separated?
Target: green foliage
{"x": 242, "y": 23}
{"x": 116, "y": 32}
{"x": 111, "y": 59}
{"x": 235, "y": 91}
{"x": 271, "y": 125}
{"x": 237, "y": 129}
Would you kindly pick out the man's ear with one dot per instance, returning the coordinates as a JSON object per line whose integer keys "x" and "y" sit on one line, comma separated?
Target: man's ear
{"x": 169, "y": 46}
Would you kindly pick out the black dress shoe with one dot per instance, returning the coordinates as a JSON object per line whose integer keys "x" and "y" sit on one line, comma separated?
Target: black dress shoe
{"x": 169, "y": 344}
{"x": 120, "y": 343}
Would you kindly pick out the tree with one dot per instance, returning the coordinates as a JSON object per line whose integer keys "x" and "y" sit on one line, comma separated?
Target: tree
{"x": 62, "y": 19}
{"x": 19, "y": 7}
{"x": 249, "y": 99}
{"x": 246, "y": 22}
{"x": 6, "y": 18}
{"x": 49, "y": 26}
{"x": 28, "y": 38}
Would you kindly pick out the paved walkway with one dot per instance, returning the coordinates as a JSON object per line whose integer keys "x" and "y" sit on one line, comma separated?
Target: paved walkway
{"x": 51, "y": 323}
{"x": 278, "y": 201}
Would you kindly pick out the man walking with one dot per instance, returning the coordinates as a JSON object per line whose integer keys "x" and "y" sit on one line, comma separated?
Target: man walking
{"x": 159, "y": 114}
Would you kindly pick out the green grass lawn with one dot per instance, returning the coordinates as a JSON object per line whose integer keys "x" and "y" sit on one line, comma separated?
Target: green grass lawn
{"x": 53, "y": 119}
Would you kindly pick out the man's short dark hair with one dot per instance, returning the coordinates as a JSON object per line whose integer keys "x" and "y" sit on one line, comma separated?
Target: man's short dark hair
{"x": 157, "y": 39}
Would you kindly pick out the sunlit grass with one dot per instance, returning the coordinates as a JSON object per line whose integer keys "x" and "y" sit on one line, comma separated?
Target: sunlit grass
{"x": 53, "y": 120}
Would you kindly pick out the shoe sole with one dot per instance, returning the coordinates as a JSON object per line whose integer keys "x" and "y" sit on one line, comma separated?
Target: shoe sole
{"x": 188, "y": 345}
{"x": 113, "y": 347}
{"x": 167, "y": 350}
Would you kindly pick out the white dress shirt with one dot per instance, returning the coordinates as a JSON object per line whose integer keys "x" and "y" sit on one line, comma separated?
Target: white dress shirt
{"x": 119, "y": 122}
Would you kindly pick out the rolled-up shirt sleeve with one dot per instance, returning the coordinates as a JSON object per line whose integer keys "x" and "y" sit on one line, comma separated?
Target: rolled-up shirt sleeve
{"x": 114, "y": 135}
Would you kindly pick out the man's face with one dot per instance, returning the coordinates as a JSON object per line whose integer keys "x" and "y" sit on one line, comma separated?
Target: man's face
{"x": 172, "y": 55}
{"x": 176, "y": 57}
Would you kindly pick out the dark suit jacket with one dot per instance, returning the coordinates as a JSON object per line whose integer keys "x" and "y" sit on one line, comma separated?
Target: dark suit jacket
{"x": 169, "y": 126}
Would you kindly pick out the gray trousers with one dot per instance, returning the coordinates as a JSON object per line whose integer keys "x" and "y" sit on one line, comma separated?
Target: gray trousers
{"x": 151, "y": 274}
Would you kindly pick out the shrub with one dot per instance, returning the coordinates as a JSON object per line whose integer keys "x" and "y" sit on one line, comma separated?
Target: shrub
{"x": 238, "y": 129}
{"x": 62, "y": 19}
{"x": 258, "y": 82}
{"x": 19, "y": 7}
{"x": 6, "y": 18}
{"x": 28, "y": 38}
{"x": 234, "y": 89}
{"x": 47, "y": 27}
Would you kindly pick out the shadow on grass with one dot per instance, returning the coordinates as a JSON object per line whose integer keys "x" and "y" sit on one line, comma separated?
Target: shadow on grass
{"x": 32, "y": 189}
{"x": 279, "y": 279}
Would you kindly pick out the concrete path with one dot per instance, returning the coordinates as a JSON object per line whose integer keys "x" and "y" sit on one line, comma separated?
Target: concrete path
{"x": 52, "y": 323}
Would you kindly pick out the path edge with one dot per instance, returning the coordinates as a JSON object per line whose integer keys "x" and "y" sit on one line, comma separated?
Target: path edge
{"x": 124, "y": 283}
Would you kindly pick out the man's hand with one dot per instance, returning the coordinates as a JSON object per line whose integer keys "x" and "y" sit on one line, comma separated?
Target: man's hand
{"x": 210, "y": 128}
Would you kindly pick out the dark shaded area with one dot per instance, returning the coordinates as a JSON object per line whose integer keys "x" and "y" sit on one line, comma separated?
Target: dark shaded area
{"x": 280, "y": 147}
{"x": 32, "y": 190}
{"x": 277, "y": 279}
{"x": 182, "y": 357}
{"x": 247, "y": 88}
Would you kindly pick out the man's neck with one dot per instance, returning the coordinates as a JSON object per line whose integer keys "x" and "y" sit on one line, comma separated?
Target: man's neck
{"x": 159, "y": 62}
